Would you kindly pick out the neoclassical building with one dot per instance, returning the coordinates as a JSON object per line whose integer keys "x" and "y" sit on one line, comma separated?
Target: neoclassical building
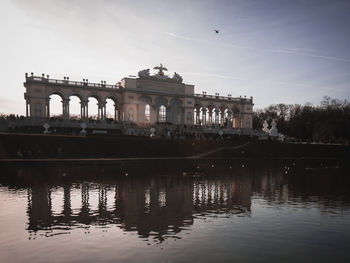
{"x": 146, "y": 99}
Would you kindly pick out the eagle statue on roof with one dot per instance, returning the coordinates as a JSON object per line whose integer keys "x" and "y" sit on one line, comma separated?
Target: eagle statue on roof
{"x": 161, "y": 70}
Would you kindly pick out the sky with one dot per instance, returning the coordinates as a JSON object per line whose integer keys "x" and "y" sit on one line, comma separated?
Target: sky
{"x": 278, "y": 51}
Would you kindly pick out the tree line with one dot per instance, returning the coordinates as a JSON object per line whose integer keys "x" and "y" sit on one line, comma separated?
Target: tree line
{"x": 327, "y": 122}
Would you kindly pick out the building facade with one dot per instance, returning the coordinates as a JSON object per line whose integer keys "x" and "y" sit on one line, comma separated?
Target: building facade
{"x": 143, "y": 100}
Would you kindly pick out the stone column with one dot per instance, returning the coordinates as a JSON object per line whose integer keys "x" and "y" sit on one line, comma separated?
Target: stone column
{"x": 65, "y": 105}
{"x": 117, "y": 113}
{"x": 229, "y": 119}
{"x": 84, "y": 109}
{"x": 153, "y": 114}
{"x": 216, "y": 116}
{"x": 222, "y": 117}
{"x": 48, "y": 107}
{"x": 182, "y": 117}
{"x": 101, "y": 111}
{"x": 238, "y": 122}
{"x": 204, "y": 116}
{"x": 210, "y": 121}
{"x": 168, "y": 114}
{"x": 197, "y": 115}
{"x": 27, "y": 109}
{"x": 104, "y": 112}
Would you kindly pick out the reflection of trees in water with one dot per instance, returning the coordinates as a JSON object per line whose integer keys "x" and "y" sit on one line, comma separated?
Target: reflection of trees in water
{"x": 326, "y": 187}
{"x": 154, "y": 207}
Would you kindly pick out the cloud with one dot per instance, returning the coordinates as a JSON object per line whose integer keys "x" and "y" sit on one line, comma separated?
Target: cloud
{"x": 296, "y": 51}
{"x": 211, "y": 75}
{"x": 302, "y": 52}
{"x": 221, "y": 76}
{"x": 179, "y": 36}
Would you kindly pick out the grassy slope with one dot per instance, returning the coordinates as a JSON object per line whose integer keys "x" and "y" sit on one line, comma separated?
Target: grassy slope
{"x": 47, "y": 146}
{"x": 266, "y": 149}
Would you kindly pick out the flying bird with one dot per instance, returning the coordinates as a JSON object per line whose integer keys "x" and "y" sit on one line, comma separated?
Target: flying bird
{"x": 216, "y": 31}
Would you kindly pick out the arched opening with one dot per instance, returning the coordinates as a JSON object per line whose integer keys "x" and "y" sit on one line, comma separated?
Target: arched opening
{"x": 216, "y": 113}
{"x": 203, "y": 116}
{"x": 210, "y": 115}
{"x": 74, "y": 108}
{"x": 162, "y": 113}
{"x": 223, "y": 113}
{"x": 111, "y": 110}
{"x": 197, "y": 114}
{"x": 92, "y": 108}
{"x": 55, "y": 107}
{"x": 206, "y": 116}
{"x": 148, "y": 113}
{"x": 226, "y": 118}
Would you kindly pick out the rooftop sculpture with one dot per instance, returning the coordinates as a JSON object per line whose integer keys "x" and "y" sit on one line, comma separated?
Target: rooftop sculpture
{"x": 145, "y": 74}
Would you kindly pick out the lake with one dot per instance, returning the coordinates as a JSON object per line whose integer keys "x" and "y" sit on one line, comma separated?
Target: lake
{"x": 203, "y": 212}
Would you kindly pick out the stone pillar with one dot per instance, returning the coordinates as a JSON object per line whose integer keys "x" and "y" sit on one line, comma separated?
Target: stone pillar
{"x": 104, "y": 112}
{"x": 83, "y": 109}
{"x": 222, "y": 117}
{"x": 240, "y": 122}
{"x": 197, "y": 115}
{"x": 167, "y": 114}
{"x": 204, "y": 116}
{"x": 27, "y": 109}
{"x": 101, "y": 111}
{"x": 229, "y": 119}
{"x": 216, "y": 116}
{"x": 48, "y": 108}
{"x": 210, "y": 121}
{"x": 65, "y": 108}
{"x": 118, "y": 113}
{"x": 115, "y": 112}
{"x": 182, "y": 117}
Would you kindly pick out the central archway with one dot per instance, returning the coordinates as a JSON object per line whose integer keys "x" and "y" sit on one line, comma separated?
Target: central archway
{"x": 75, "y": 107}
{"x": 93, "y": 108}
{"x": 54, "y": 109}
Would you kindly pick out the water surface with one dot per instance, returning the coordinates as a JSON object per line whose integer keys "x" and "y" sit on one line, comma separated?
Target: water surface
{"x": 242, "y": 213}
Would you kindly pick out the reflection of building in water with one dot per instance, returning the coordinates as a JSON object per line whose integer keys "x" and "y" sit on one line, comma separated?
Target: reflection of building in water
{"x": 151, "y": 207}
{"x": 39, "y": 207}
{"x": 222, "y": 196}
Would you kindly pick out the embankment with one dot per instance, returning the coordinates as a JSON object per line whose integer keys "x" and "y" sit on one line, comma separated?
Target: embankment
{"x": 37, "y": 147}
